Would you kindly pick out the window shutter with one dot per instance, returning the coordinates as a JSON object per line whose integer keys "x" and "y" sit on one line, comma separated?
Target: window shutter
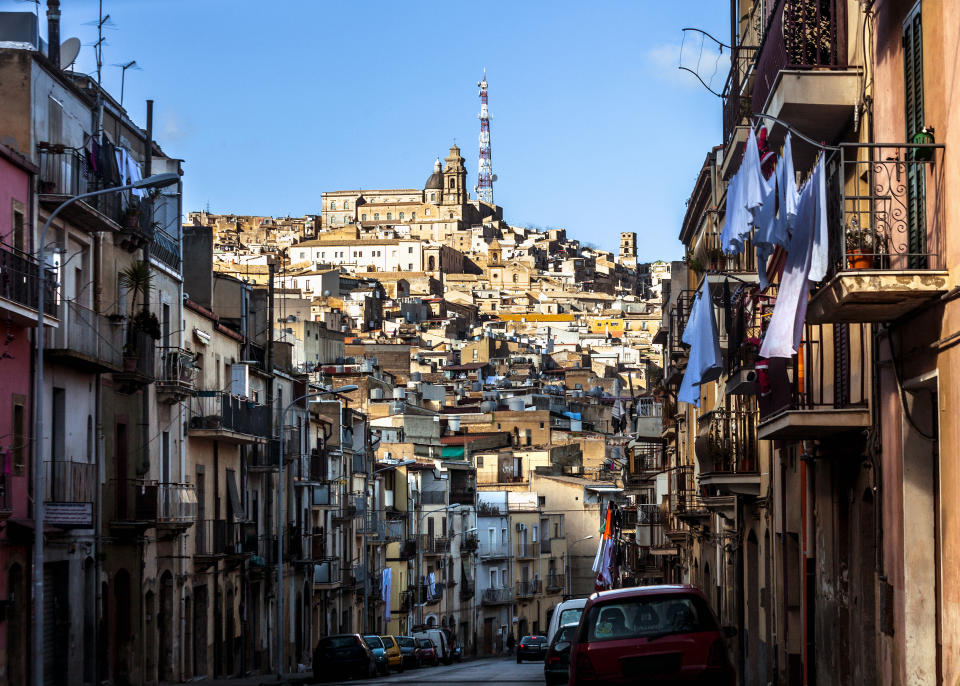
{"x": 841, "y": 365}
{"x": 913, "y": 101}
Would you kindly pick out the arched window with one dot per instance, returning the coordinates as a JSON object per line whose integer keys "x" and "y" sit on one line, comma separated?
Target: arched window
{"x": 433, "y": 196}
{"x": 452, "y": 183}
{"x": 376, "y": 216}
{"x": 451, "y": 215}
{"x": 515, "y": 277}
{"x": 389, "y": 216}
{"x": 431, "y": 264}
{"x": 401, "y": 216}
{"x": 363, "y": 217}
{"x": 346, "y": 204}
{"x": 333, "y": 204}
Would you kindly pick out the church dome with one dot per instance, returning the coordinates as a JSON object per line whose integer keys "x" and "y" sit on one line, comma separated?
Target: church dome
{"x": 435, "y": 182}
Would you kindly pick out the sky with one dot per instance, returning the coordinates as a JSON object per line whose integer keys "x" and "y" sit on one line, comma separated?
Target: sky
{"x": 594, "y": 128}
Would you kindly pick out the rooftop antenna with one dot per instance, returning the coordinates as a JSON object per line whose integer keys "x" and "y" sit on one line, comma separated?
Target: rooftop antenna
{"x": 132, "y": 64}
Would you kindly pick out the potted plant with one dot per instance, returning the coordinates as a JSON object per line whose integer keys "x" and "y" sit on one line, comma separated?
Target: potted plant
{"x": 137, "y": 278}
{"x": 862, "y": 244}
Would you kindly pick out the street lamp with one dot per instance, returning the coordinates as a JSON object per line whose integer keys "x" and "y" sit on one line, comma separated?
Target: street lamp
{"x": 366, "y": 555}
{"x": 151, "y": 182}
{"x": 570, "y": 565}
{"x": 445, "y": 508}
{"x": 280, "y": 496}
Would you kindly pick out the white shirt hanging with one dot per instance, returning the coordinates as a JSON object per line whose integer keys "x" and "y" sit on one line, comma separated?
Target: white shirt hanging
{"x": 700, "y": 334}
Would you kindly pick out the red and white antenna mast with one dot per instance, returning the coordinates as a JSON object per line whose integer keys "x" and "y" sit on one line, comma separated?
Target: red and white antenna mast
{"x": 485, "y": 175}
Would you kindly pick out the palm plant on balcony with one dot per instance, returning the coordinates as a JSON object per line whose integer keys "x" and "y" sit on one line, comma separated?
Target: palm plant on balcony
{"x": 138, "y": 279}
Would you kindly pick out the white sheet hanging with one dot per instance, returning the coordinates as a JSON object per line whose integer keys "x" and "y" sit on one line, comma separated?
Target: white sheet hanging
{"x": 701, "y": 335}
{"x": 777, "y": 215}
{"x": 745, "y": 198}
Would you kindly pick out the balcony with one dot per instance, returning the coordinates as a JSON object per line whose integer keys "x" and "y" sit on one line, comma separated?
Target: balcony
{"x": 469, "y": 543}
{"x": 176, "y": 374}
{"x": 431, "y": 598}
{"x": 19, "y": 280}
{"x": 528, "y": 589}
{"x": 218, "y": 538}
{"x": 463, "y": 495}
{"x": 556, "y": 582}
{"x": 86, "y": 340}
{"x": 886, "y": 242}
{"x": 737, "y": 102}
{"x": 224, "y": 417}
{"x": 646, "y": 460}
{"x": 467, "y": 588}
{"x": 496, "y": 596}
{"x": 346, "y": 513}
{"x": 801, "y": 74}
{"x": 823, "y": 390}
{"x": 263, "y": 457}
{"x": 528, "y": 550}
{"x": 325, "y": 495}
{"x": 373, "y": 527}
{"x": 326, "y": 574}
{"x": 433, "y": 545}
{"x": 64, "y": 173}
{"x": 176, "y": 506}
{"x": 139, "y": 366}
{"x": 726, "y": 448}
{"x": 141, "y": 504}
{"x": 495, "y": 552}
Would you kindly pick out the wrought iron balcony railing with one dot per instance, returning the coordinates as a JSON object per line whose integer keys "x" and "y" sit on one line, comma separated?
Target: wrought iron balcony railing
{"x": 221, "y": 412}
{"x": 727, "y": 439}
{"x": 19, "y": 280}
{"x": 497, "y": 596}
{"x": 86, "y": 338}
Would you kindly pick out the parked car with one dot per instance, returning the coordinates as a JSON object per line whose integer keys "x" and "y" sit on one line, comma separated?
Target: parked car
{"x": 531, "y": 647}
{"x": 343, "y": 655}
{"x": 556, "y": 663}
{"x": 375, "y": 644}
{"x": 428, "y": 652}
{"x": 650, "y": 633}
{"x": 409, "y": 651}
{"x": 567, "y": 612}
{"x": 440, "y": 642}
{"x": 394, "y": 656}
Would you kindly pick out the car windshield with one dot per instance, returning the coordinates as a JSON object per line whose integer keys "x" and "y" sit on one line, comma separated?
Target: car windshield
{"x": 648, "y": 616}
{"x": 387, "y": 641}
{"x": 373, "y": 641}
{"x": 570, "y": 616}
{"x": 339, "y": 642}
{"x": 407, "y": 642}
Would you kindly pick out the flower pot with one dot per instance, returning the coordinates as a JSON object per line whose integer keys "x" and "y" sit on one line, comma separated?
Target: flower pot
{"x": 857, "y": 259}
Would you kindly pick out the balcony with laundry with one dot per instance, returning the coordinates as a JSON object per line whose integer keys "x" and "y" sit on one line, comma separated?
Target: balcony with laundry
{"x": 823, "y": 390}
{"x": 726, "y": 449}
{"x": 19, "y": 281}
{"x": 802, "y": 74}
{"x": 67, "y": 172}
{"x": 85, "y": 339}
{"x": 885, "y": 237}
{"x": 229, "y": 418}
{"x": 677, "y": 350}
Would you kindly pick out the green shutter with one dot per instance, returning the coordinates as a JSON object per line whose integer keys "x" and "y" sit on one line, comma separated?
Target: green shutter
{"x": 913, "y": 101}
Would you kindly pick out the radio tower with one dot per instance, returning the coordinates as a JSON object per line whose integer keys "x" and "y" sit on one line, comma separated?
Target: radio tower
{"x": 485, "y": 176}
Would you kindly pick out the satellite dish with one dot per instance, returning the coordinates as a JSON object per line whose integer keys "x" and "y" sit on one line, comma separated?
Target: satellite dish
{"x": 69, "y": 51}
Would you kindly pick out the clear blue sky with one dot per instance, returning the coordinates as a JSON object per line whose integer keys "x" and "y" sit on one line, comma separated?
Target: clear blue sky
{"x": 270, "y": 103}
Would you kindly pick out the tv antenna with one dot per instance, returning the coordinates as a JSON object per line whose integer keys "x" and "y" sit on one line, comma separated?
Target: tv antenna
{"x": 132, "y": 64}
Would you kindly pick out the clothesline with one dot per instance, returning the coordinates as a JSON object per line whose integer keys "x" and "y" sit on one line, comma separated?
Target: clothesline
{"x": 795, "y": 132}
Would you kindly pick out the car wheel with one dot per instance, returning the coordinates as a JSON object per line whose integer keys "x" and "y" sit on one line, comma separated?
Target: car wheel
{"x": 401, "y": 665}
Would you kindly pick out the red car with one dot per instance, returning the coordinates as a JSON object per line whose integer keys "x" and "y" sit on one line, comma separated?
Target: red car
{"x": 428, "y": 652}
{"x": 653, "y": 634}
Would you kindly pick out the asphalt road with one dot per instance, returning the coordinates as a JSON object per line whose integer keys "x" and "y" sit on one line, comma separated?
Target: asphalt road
{"x": 494, "y": 670}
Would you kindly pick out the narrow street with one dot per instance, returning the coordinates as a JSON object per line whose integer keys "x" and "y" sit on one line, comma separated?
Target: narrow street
{"x": 494, "y": 670}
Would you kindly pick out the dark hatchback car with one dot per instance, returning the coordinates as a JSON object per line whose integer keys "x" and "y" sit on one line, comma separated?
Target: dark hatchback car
{"x": 556, "y": 663}
{"x": 653, "y": 634}
{"x": 409, "y": 651}
{"x": 428, "y": 652}
{"x": 531, "y": 648}
{"x": 343, "y": 655}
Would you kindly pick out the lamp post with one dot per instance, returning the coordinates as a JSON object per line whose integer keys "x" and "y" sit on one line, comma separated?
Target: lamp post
{"x": 151, "y": 182}
{"x": 366, "y": 556}
{"x": 280, "y": 496}
{"x": 569, "y": 569}
{"x": 445, "y": 508}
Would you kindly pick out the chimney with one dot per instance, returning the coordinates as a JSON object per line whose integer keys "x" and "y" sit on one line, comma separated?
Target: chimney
{"x": 53, "y": 31}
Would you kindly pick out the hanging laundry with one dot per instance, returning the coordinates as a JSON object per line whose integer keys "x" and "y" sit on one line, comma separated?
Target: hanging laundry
{"x": 700, "y": 334}
{"x": 129, "y": 171}
{"x": 431, "y": 586}
{"x": 808, "y": 245}
{"x": 385, "y": 582}
{"x": 745, "y": 196}
{"x": 109, "y": 170}
{"x": 776, "y": 217}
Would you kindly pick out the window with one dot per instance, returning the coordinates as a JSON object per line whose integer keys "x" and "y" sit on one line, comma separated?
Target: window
{"x": 19, "y": 241}
{"x": 480, "y": 462}
{"x": 451, "y": 215}
{"x": 493, "y": 578}
{"x": 541, "y": 425}
{"x": 516, "y": 278}
{"x": 19, "y": 450}
{"x": 452, "y": 183}
{"x": 389, "y": 216}
{"x": 503, "y": 577}
{"x": 363, "y": 217}
{"x": 427, "y": 212}
{"x": 306, "y": 285}
{"x": 413, "y": 215}
{"x": 376, "y": 216}
{"x": 410, "y": 249}
{"x": 410, "y": 267}
{"x": 433, "y": 196}
{"x": 503, "y": 536}
{"x": 401, "y": 216}
{"x": 346, "y": 204}
{"x": 492, "y": 534}
{"x": 333, "y": 204}
{"x": 913, "y": 102}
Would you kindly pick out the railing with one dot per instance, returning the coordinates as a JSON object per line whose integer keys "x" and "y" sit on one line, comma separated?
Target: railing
{"x": 134, "y": 500}
{"x": 433, "y": 497}
{"x": 494, "y": 552}
{"x": 728, "y": 440}
{"x": 19, "y": 280}
{"x": 176, "y": 503}
{"x": 67, "y": 172}
{"x": 408, "y": 599}
{"x": 646, "y": 456}
{"x": 139, "y": 355}
{"x": 396, "y": 529}
{"x": 165, "y": 249}
{"x": 88, "y": 333}
{"x": 736, "y": 99}
{"x": 176, "y": 369}
{"x": 259, "y": 457}
{"x": 70, "y": 482}
{"x": 526, "y": 589}
{"x": 374, "y": 527}
{"x": 715, "y": 260}
{"x": 801, "y": 34}
{"x": 829, "y": 371}
{"x": 433, "y": 545}
{"x": 556, "y": 582}
{"x": 528, "y": 549}
{"x": 746, "y": 330}
{"x": 221, "y": 411}
{"x": 679, "y": 313}
{"x": 325, "y": 495}
{"x": 326, "y": 572}
{"x": 649, "y": 514}
{"x": 211, "y": 537}
{"x": 427, "y": 597}
{"x": 497, "y": 596}
{"x": 469, "y": 543}
{"x": 877, "y": 207}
